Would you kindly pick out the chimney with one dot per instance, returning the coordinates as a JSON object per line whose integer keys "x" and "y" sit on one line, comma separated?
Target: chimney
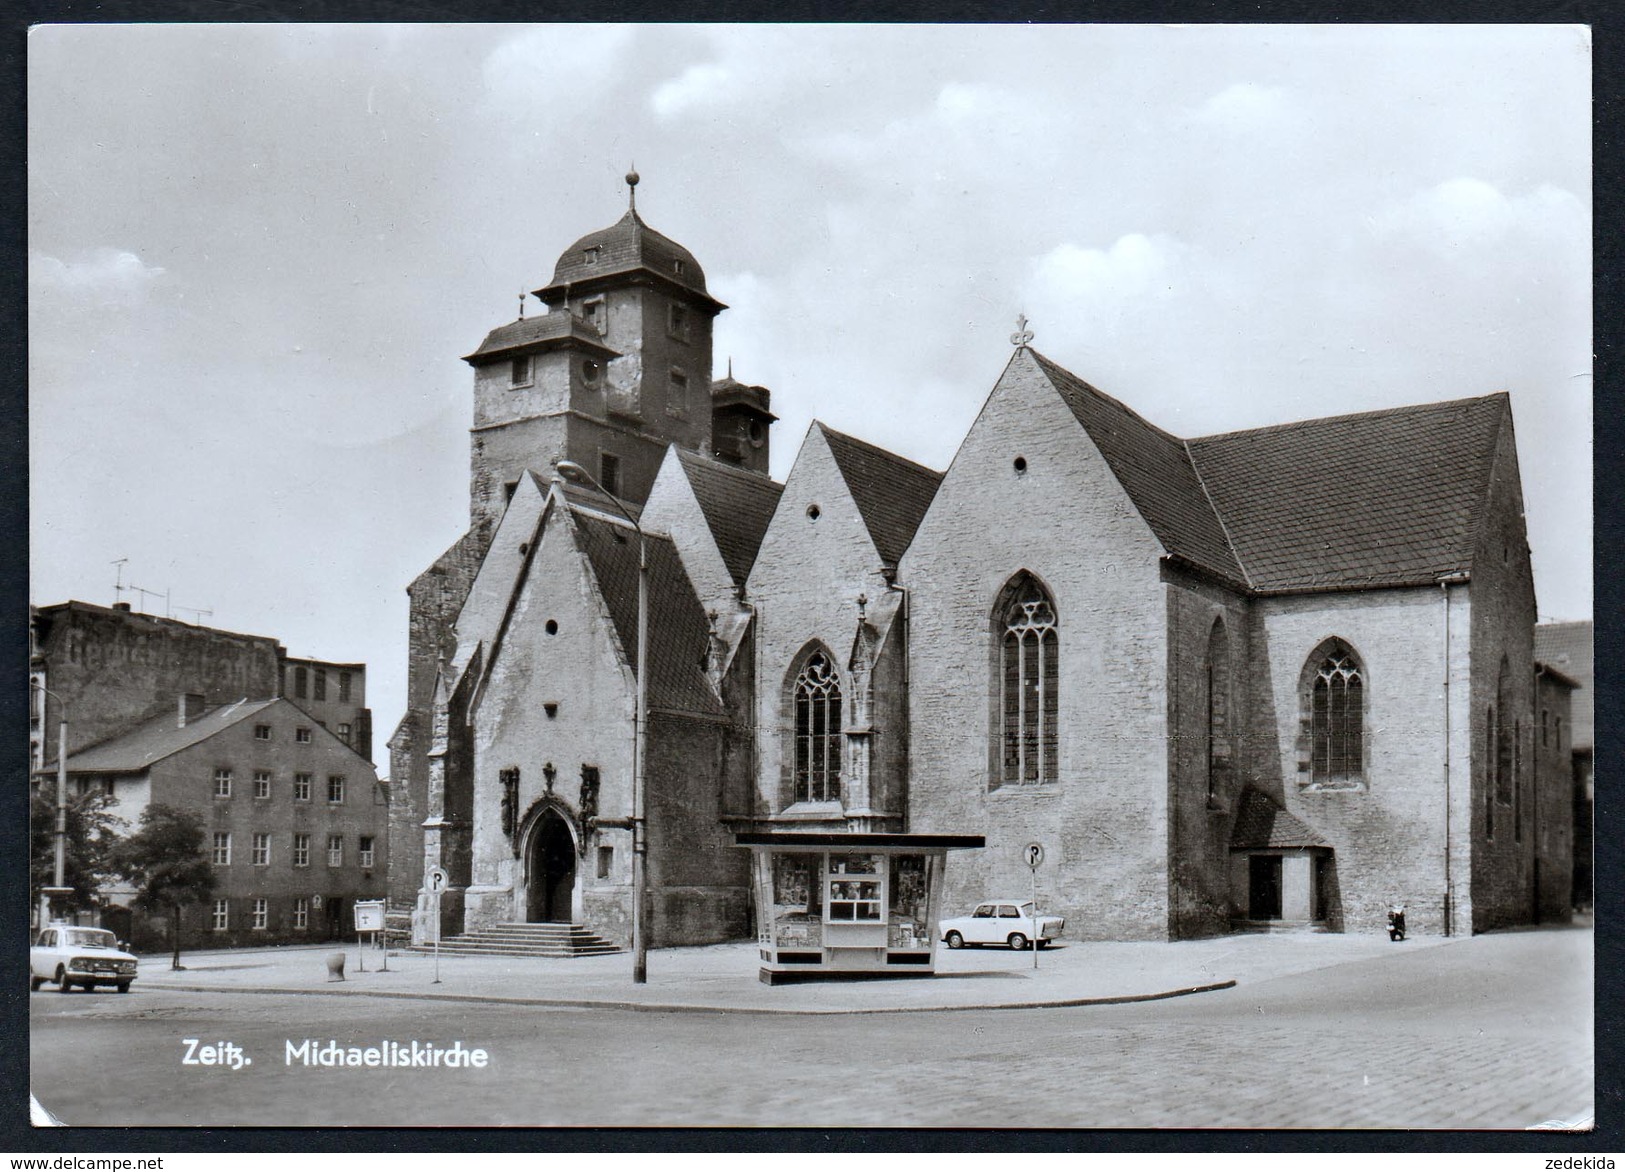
{"x": 190, "y": 708}
{"x": 122, "y": 606}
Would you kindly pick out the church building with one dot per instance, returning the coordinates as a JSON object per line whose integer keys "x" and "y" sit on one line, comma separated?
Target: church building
{"x": 1280, "y": 676}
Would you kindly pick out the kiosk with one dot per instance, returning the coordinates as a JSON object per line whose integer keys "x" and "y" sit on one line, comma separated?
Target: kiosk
{"x": 836, "y": 904}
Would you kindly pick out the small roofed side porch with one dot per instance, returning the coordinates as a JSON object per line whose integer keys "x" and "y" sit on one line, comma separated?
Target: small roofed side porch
{"x": 1282, "y": 873}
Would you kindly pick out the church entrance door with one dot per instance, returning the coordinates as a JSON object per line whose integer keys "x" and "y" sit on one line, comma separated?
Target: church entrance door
{"x": 552, "y": 871}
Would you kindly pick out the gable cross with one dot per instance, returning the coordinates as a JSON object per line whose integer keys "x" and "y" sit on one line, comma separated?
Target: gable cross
{"x": 1023, "y": 335}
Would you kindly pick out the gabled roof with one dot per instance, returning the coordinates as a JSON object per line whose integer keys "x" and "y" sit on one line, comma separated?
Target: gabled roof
{"x": 892, "y": 494}
{"x": 1568, "y": 647}
{"x": 1155, "y": 470}
{"x": 737, "y": 506}
{"x": 1384, "y": 498}
{"x": 153, "y": 740}
{"x": 1261, "y": 824}
{"x": 679, "y": 632}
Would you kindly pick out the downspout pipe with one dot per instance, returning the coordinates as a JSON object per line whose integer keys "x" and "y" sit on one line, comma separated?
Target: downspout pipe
{"x": 1445, "y": 582}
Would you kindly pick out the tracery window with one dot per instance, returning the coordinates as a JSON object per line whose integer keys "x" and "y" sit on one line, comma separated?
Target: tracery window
{"x": 1028, "y": 685}
{"x": 1503, "y": 737}
{"x": 817, "y": 698}
{"x": 1218, "y": 710}
{"x": 1336, "y": 717}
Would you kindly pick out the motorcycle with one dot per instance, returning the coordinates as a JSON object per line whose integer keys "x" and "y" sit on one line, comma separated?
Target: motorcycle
{"x": 1396, "y": 922}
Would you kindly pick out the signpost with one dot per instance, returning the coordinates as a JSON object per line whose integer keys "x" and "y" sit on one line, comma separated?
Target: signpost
{"x": 437, "y": 881}
{"x": 1033, "y": 855}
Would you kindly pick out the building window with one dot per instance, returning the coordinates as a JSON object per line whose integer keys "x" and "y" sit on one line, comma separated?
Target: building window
{"x": 222, "y": 915}
{"x": 261, "y": 914}
{"x": 677, "y": 321}
{"x": 591, "y": 372}
{"x": 221, "y": 856}
{"x": 1218, "y": 712}
{"x": 1490, "y": 736}
{"x": 335, "y": 791}
{"x": 609, "y": 472}
{"x": 262, "y": 850}
{"x": 606, "y": 861}
{"x": 344, "y": 687}
{"x": 344, "y": 733}
{"x": 301, "y": 850}
{"x": 262, "y": 732}
{"x": 677, "y": 267}
{"x": 816, "y": 695}
{"x": 1545, "y": 728}
{"x": 590, "y": 254}
{"x": 1503, "y": 737}
{"x": 262, "y": 783}
{"x": 222, "y": 783}
{"x": 301, "y": 915}
{"x": 1517, "y": 781}
{"x": 676, "y": 392}
{"x": 335, "y": 850}
{"x": 520, "y": 374}
{"x": 321, "y": 684}
{"x": 1028, "y": 686}
{"x": 301, "y": 787}
{"x": 364, "y": 850}
{"x": 592, "y": 312}
{"x": 302, "y": 735}
{"x": 1336, "y": 701}
{"x": 301, "y": 683}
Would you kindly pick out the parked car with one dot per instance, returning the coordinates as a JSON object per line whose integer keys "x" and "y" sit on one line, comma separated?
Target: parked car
{"x": 79, "y": 956}
{"x": 1002, "y": 921}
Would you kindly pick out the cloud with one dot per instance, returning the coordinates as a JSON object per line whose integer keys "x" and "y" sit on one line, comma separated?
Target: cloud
{"x": 1135, "y": 267}
{"x": 555, "y": 63}
{"x": 1245, "y": 106}
{"x": 699, "y": 86}
{"x": 103, "y": 274}
{"x": 1466, "y": 215}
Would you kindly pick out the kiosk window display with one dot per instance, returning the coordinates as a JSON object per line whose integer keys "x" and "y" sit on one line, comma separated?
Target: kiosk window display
{"x": 848, "y": 904}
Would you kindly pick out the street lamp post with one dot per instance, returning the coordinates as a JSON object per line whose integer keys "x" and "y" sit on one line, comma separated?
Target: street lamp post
{"x": 59, "y": 873}
{"x": 571, "y": 471}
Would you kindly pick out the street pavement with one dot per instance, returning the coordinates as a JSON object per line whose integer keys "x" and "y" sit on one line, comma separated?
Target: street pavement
{"x": 724, "y": 977}
{"x": 1492, "y": 1031}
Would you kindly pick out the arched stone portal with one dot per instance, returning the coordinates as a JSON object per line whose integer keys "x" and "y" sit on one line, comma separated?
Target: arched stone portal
{"x": 550, "y": 870}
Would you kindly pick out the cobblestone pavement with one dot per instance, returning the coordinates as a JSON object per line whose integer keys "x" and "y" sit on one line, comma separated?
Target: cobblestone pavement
{"x": 1490, "y": 1032}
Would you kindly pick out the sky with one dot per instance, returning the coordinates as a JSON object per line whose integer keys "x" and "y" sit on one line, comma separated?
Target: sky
{"x": 257, "y": 253}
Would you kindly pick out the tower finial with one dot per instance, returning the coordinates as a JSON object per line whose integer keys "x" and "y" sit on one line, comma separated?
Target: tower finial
{"x": 730, "y": 366}
{"x": 1023, "y": 335}
{"x": 521, "y": 305}
{"x": 632, "y": 188}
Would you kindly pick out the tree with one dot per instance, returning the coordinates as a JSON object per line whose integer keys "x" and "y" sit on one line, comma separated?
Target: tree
{"x": 92, "y": 832}
{"x": 166, "y": 861}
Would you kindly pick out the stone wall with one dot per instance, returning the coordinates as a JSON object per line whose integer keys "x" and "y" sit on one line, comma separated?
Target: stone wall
{"x": 1066, "y": 519}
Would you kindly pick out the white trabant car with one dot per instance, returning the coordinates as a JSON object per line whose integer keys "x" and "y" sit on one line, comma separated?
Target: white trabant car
{"x": 86, "y": 957}
{"x": 1002, "y": 921}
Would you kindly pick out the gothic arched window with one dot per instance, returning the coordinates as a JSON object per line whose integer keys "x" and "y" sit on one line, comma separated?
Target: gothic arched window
{"x": 816, "y": 696}
{"x": 1028, "y": 684}
{"x": 1218, "y": 710}
{"x": 1336, "y": 686}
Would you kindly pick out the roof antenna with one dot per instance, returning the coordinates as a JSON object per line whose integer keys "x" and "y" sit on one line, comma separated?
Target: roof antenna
{"x": 632, "y": 189}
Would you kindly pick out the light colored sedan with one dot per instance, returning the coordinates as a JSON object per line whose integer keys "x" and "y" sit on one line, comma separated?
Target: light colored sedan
{"x": 79, "y": 956}
{"x": 1002, "y": 921}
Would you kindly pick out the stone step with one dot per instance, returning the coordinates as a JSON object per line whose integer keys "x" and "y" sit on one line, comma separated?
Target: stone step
{"x": 534, "y": 940}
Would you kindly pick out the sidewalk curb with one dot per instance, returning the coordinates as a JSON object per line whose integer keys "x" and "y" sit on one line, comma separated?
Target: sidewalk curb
{"x": 679, "y": 1007}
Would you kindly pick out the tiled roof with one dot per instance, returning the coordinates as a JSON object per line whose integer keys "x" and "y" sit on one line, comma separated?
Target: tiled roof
{"x": 1569, "y": 648}
{"x": 679, "y": 633}
{"x": 153, "y": 740}
{"x": 626, "y": 246}
{"x": 529, "y": 333}
{"x": 737, "y": 505}
{"x": 1155, "y": 470}
{"x": 1261, "y": 824}
{"x": 1385, "y": 498}
{"x": 891, "y": 493}
{"x": 726, "y": 392}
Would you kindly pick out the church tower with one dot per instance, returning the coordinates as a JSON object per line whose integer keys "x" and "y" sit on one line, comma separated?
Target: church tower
{"x": 618, "y": 368}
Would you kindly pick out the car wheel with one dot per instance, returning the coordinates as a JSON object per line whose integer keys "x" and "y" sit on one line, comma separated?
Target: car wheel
{"x": 1018, "y": 942}
{"x": 62, "y": 982}
{"x": 955, "y": 940}
{"x": 124, "y": 986}
{"x": 34, "y": 983}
